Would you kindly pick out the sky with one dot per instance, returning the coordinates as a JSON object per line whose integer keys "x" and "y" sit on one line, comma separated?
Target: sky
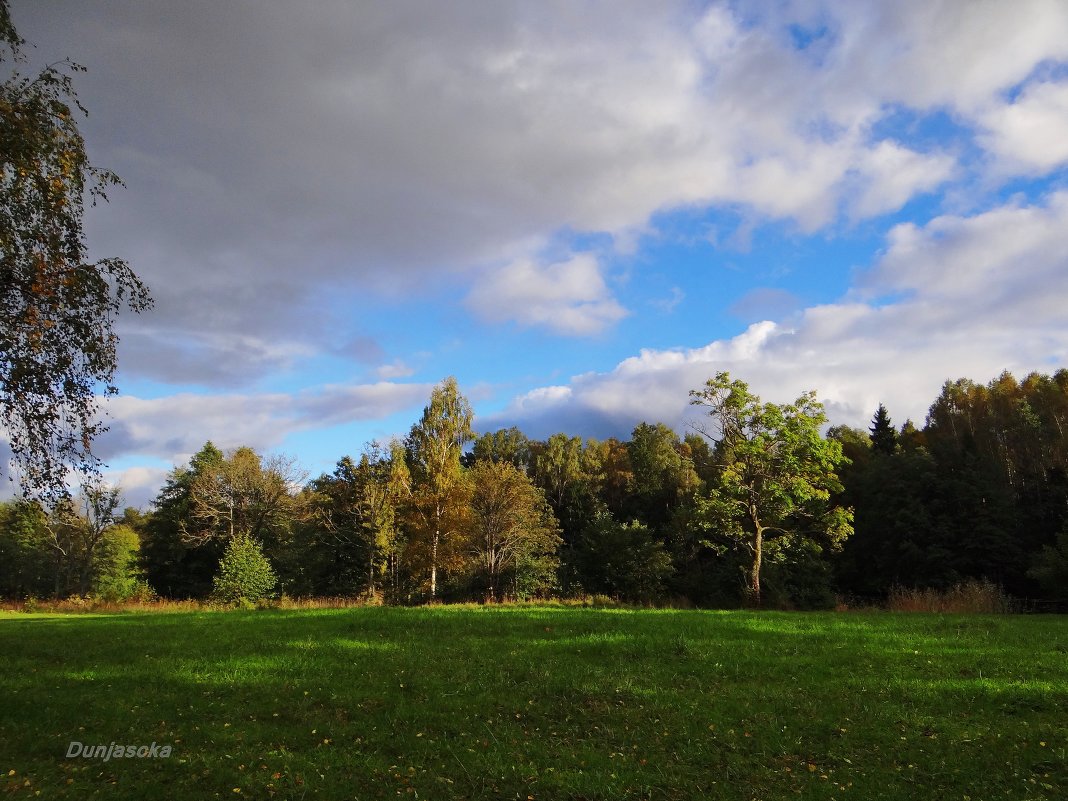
{"x": 582, "y": 210}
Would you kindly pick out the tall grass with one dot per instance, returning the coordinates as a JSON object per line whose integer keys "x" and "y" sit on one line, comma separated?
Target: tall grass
{"x": 94, "y": 604}
{"x": 968, "y": 597}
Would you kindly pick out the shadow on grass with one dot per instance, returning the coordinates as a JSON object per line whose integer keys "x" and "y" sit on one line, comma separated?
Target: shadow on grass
{"x": 567, "y": 703}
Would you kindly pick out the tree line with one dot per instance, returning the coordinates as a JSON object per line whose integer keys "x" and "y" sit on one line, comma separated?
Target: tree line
{"x": 756, "y": 505}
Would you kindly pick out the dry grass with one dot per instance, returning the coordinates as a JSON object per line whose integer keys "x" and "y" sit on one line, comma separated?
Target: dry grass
{"x": 968, "y": 597}
{"x": 91, "y": 604}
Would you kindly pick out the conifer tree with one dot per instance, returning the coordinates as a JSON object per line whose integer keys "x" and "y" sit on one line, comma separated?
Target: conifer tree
{"x": 883, "y": 436}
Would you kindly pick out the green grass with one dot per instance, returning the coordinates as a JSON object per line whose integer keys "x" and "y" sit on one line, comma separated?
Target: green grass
{"x": 542, "y": 703}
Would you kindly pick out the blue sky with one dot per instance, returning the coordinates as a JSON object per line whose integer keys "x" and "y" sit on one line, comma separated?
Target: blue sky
{"x": 582, "y": 210}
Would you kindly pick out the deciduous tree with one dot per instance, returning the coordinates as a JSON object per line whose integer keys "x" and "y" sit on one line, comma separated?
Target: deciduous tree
{"x": 75, "y": 528}
{"x": 173, "y": 566}
{"x": 241, "y": 494}
{"x": 775, "y": 472}
{"x": 434, "y": 447}
{"x": 506, "y": 445}
{"x": 513, "y": 528}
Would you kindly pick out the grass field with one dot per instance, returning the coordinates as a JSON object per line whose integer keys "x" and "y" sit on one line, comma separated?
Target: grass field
{"x": 536, "y": 703}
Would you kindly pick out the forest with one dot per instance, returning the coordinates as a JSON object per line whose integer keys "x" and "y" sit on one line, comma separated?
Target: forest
{"x": 760, "y": 504}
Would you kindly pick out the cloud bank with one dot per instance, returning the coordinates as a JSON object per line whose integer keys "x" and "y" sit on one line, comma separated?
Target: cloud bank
{"x": 271, "y": 152}
{"x": 959, "y": 309}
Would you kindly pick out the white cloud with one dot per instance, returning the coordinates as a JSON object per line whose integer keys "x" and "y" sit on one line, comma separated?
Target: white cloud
{"x": 1031, "y": 133}
{"x": 398, "y": 368}
{"x": 543, "y": 396}
{"x": 1002, "y": 265}
{"x": 972, "y": 296}
{"x": 929, "y": 55}
{"x": 174, "y": 427}
{"x": 139, "y": 485}
{"x": 890, "y": 175}
{"x": 569, "y": 298}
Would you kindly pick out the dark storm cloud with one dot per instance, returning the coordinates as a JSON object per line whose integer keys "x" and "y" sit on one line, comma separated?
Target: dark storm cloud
{"x": 277, "y": 154}
{"x": 274, "y": 149}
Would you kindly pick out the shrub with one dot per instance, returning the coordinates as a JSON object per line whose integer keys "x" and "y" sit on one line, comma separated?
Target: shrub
{"x": 625, "y": 561}
{"x": 117, "y": 577}
{"x": 1050, "y": 568}
{"x": 245, "y": 575}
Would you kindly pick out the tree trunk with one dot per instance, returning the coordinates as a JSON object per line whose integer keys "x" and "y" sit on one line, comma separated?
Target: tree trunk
{"x": 758, "y": 555}
{"x": 494, "y": 580}
{"x": 85, "y": 577}
{"x": 434, "y": 566}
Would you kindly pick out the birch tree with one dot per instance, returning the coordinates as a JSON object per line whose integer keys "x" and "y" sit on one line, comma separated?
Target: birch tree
{"x": 240, "y": 494}
{"x": 434, "y": 447}
{"x": 57, "y": 309}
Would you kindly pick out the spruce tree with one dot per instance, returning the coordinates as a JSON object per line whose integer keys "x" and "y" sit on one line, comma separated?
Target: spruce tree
{"x": 883, "y": 436}
{"x": 245, "y": 575}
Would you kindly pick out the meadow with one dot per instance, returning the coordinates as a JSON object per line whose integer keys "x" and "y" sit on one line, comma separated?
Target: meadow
{"x": 535, "y": 703}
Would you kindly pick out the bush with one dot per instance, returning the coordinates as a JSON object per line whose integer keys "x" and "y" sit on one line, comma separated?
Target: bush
{"x": 245, "y": 575}
{"x": 625, "y": 561}
{"x": 1050, "y": 568}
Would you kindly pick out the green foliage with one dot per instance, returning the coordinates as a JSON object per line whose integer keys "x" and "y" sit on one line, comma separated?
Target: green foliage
{"x": 352, "y": 537}
{"x": 977, "y": 494}
{"x": 26, "y": 560}
{"x": 662, "y": 474}
{"x": 506, "y": 445}
{"x": 896, "y": 538}
{"x": 437, "y": 492}
{"x": 1050, "y": 568}
{"x": 245, "y": 575}
{"x": 798, "y": 576}
{"x": 558, "y": 468}
{"x": 116, "y": 570}
{"x": 754, "y": 505}
{"x": 624, "y": 560}
{"x": 174, "y": 567}
{"x": 241, "y": 493}
{"x": 775, "y": 476}
{"x": 57, "y": 310}
{"x": 514, "y": 536}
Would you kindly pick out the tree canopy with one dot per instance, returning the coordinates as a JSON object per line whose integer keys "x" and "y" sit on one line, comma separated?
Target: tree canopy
{"x": 776, "y": 473}
{"x": 758, "y": 508}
